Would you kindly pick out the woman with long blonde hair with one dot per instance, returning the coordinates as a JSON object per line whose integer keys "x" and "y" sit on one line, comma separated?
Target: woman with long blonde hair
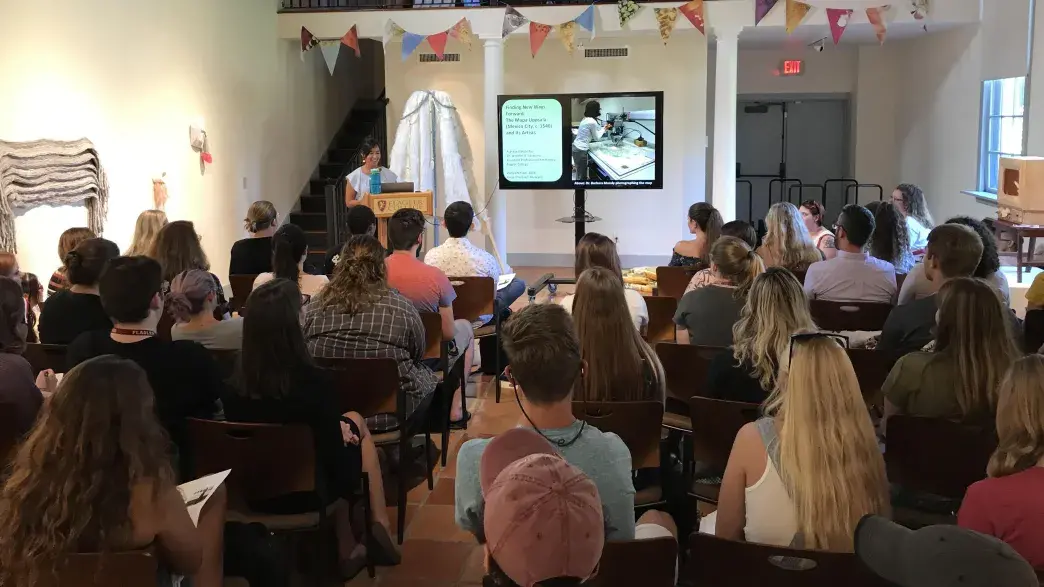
{"x": 960, "y": 377}
{"x": 620, "y": 364}
{"x": 787, "y": 242}
{"x": 1007, "y": 505}
{"x": 148, "y": 225}
{"x": 806, "y": 474}
{"x": 776, "y": 307}
{"x": 709, "y": 313}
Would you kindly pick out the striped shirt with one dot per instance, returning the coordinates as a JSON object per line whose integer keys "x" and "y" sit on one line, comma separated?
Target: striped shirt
{"x": 589, "y": 132}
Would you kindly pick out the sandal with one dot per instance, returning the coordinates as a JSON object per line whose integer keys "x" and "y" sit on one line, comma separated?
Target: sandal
{"x": 387, "y": 552}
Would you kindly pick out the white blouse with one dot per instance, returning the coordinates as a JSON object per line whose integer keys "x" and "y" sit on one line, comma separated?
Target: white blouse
{"x": 361, "y": 181}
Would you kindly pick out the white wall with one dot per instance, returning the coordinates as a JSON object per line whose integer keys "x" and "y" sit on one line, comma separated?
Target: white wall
{"x": 647, "y": 222}
{"x": 131, "y": 76}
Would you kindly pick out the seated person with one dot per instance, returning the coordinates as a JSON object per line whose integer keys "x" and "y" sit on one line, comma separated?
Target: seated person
{"x": 740, "y": 229}
{"x": 178, "y": 248}
{"x": 890, "y": 241}
{"x": 253, "y": 255}
{"x": 775, "y": 309}
{"x": 598, "y": 250}
{"x": 1007, "y": 504}
{"x": 787, "y": 243}
{"x": 705, "y": 224}
{"x": 708, "y": 313}
{"x": 9, "y": 265}
{"x": 78, "y": 309}
{"x": 277, "y": 382}
{"x": 813, "y": 213}
{"x": 457, "y": 257}
{"x": 100, "y": 483}
{"x": 184, "y": 377}
{"x": 910, "y": 201}
{"x": 917, "y": 285}
{"x": 357, "y": 315}
{"x": 289, "y": 251}
{"x": 18, "y": 392}
{"x": 953, "y": 251}
{"x": 541, "y": 343}
{"x": 33, "y": 292}
{"x": 67, "y": 243}
{"x": 428, "y": 289}
{"x": 974, "y": 347}
{"x": 192, "y": 301}
{"x": 361, "y": 220}
{"x": 852, "y": 275}
{"x": 806, "y": 474}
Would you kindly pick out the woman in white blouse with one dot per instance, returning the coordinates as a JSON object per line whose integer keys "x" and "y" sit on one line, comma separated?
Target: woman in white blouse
{"x": 289, "y": 251}
{"x": 598, "y": 250}
{"x": 909, "y": 199}
{"x": 359, "y": 180}
{"x": 589, "y": 131}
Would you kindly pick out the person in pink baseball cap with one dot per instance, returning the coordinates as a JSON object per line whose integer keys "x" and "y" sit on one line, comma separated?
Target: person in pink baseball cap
{"x": 543, "y": 520}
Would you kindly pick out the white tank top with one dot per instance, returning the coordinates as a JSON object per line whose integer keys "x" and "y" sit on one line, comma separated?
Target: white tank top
{"x": 771, "y": 518}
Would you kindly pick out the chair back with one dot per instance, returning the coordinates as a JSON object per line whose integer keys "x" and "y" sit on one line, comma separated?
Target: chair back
{"x": 227, "y": 359}
{"x": 937, "y": 456}
{"x": 838, "y": 316}
{"x": 1034, "y": 330}
{"x": 432, "y": 335}
{"x": 649, "y": 563}
{"x": 636, "y": 423}
{"x": 685, "y": 370}
{"x": 871, "y": 369}
{"x": 475, "y": 297}
{"x": 800, "y": 275}
{"x": 242, "y": 285}
{"x": 266, "y": 460}
{"x": 661, "y": 319}
{"x": 10, "y": 433}
{"x": 46, "y": 356}
{"x": 366, "y": 386}
{"x": 727, "y": 563}
{"x": 129, "y": 569}
{"x": 672, "y": 281}
{"x": 715, "y": 424}
{"x": 899, "y": 279}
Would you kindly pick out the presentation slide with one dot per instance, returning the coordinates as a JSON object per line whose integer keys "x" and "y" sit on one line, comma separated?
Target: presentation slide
{"x": 580, "y": 141}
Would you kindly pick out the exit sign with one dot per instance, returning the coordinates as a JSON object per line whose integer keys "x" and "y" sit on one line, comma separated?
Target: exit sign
{"x": 793, "y": 67}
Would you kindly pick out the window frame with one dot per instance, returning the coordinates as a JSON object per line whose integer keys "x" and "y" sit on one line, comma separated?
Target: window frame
{"x": 990, "y": 134}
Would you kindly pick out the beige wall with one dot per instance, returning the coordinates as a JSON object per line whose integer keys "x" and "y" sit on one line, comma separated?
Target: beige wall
{"x": 132, "y": 76}
{"x": 647, "y": 222}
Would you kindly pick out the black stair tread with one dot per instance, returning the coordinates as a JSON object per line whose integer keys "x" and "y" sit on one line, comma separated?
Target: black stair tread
{"x": 308, "y": 213}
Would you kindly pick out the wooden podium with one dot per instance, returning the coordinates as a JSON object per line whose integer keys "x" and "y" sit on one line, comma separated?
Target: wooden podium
{"x": 384, "y": 205}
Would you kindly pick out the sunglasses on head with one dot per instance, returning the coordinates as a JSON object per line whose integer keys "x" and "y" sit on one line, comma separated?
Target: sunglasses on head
{"x": 840, "y": 339}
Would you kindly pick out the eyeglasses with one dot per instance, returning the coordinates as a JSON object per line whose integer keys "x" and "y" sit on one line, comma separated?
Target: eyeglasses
{"x": 840, "y": 339}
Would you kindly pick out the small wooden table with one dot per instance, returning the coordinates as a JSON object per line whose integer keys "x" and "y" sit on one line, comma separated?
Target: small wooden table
{"x": 385, "y": 205}
{"x": 1031, "y": 231}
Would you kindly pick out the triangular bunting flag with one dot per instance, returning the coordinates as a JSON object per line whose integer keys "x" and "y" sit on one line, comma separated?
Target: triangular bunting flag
{"x": 876, "y": 16}
{"x": 838, "y": 19}
{"x": 410, "y": 42}
{"x": 761, "y": 10}
{"x": 351, "y": 38}
{"x": 626, "y": 9}
{"x": 567, "y": 32}
{"x": 330, "y": 51}
{"x": 512, "y": 20}
{"x": 586, "y": 20}
{"x": 693, "y": 10}
{"x": 392, "y": 32}
{"x": 462, "y": 32}
{"x": 919, "y": 9}
{"x": 308, "y": 42}
{"x": 796, "y": 12}
{"x": 438, "y": 43}
{"x": 665, "y": 19}
{"x": 537, "y": 33}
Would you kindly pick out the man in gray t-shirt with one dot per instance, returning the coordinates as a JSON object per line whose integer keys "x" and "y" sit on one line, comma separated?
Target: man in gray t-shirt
{"x": 541, "y": 343}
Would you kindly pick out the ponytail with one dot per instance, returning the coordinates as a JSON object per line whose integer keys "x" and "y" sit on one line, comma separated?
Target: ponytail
{"x": 289, "y": 246}
{"x": 737, "y": 262}
{"x": 755, "y": 266}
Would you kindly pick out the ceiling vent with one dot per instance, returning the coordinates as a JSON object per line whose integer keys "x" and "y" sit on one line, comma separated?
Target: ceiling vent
{"x": 610, "y": 53}
{"x": 433, "y": 58}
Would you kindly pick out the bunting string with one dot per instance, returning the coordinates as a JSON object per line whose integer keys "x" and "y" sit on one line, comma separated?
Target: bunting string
{"x": 538, "y": 32}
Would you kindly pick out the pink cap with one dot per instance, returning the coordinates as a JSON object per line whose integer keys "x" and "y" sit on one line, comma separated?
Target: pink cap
{"x": 543, "y": 517}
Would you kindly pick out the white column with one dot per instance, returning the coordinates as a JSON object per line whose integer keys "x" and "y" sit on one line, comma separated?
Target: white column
{"x": 723, "y": 195}
{"x": 493, "y": 86}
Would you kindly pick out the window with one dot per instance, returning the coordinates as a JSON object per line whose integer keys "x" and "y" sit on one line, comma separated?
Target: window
{"x": 1003, "y": 111}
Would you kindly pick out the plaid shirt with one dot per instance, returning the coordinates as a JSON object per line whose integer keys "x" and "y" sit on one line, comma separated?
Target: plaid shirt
{"x": 391, "y": 328}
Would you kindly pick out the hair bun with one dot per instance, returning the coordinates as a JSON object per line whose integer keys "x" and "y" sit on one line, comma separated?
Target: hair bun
{"x": 73, "y": 258}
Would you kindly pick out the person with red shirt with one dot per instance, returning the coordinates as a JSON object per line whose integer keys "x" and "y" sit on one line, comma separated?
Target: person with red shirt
{"x": 1009, "y": 505}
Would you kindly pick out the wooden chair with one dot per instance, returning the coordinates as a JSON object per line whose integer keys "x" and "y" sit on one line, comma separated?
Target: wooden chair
{"x": 128, "y": 569}
{"x": 1033, "y": 331}
{"x": 638, "y": 425}
{"x": 46, "y": 356}
{"x": 371, "y": 387}
{"x": 838, "y": 316}
{"x": 718, "y": 562}
{"x": 477, "y": 296}
{"x": 936, "y": 456}
{"x": 436, "y": 347}
{"x": 672, "y": 281}
{"x": 685, "y": 370}
{"x": 899, "y": 279}
{"x": 242, "y": 285}
{"x": 715, "y": 424}
{"x": 800, "y": 275}
{"x": 649, "y": 563}
{"x": 661, "y": 319}
{"x": 871, "y": 368}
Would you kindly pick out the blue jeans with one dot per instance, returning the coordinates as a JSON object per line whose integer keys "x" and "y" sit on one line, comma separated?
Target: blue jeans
{"x": 507, "y": 296}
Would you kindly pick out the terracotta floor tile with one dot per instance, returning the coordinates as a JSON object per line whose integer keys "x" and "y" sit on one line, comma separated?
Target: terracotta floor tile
{"x": 418, "y": 494}
{"x": 475, "y": 566}
{"x": 437, "y": 523}
{"x": 428, "y": 561}
{"x": 411, "y": 512}
{"x": 443, "y": 494}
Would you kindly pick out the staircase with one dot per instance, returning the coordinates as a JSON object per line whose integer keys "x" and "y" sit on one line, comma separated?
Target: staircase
{"x": 321, "y": 210}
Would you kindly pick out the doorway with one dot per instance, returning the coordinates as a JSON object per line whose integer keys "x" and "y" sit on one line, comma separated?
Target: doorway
{"x": 786, "y": 148}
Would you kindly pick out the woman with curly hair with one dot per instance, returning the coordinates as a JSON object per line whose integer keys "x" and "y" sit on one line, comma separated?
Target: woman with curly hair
{"x": 177, "y": 248}
{"x": 917, "y": 286}
{"x": 787, "y": 243}
{"x": 909, "y": 200}
{"x": 95, "y": 476}
{"x": 358, "y": 316}
{"x": 890, "y": 240}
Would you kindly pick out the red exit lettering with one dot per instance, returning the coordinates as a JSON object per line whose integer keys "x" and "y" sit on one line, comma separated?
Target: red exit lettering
{"x": 793, "y": 67}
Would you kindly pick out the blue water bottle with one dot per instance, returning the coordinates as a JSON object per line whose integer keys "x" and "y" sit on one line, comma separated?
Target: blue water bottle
{"x": 375, "y": 181}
